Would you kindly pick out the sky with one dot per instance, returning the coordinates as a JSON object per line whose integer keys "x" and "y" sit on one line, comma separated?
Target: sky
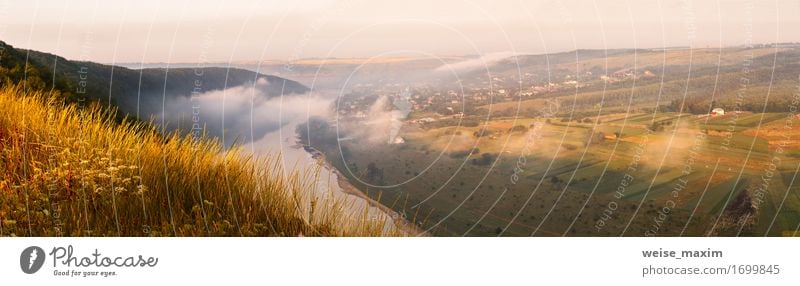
{"x": 182, "y": 31}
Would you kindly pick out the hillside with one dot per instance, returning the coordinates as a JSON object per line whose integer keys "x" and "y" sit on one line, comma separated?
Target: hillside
{"x": 757, "y": 79}
{"x": 75, "y": 172}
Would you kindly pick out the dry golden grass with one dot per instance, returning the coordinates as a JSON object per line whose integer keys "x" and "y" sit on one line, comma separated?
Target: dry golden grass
{"x": 73, "y": 171}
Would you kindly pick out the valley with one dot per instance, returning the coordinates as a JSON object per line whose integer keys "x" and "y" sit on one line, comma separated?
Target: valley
{"x": 637, "y": 153}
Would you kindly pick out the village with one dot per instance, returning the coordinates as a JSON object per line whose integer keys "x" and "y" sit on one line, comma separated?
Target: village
{"x": 433, "y": 102}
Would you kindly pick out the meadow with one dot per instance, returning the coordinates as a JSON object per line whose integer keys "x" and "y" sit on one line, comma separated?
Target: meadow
{"x": 679, "y": 175}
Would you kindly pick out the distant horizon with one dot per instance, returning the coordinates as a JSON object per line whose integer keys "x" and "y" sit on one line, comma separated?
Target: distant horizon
{"x": 283, "y": 61}
{"x": 253, "y": 30}
{"x": 755, "y": 45}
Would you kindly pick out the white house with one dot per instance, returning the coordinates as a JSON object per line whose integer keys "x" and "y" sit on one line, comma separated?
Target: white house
{"x": 717, "y": 111}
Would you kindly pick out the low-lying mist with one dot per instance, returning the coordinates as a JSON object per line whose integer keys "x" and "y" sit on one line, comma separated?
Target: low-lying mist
{"x": 482, "y": 62}
{"x": 240, "y": 114}
{"x": 382, "y": 123}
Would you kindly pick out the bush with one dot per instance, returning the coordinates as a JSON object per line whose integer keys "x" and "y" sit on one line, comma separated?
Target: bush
{"x": 518, "y": 128}
{"x": 460, "y": 154}
{"x": 481, "y": 133}
{"x": 484, "y": 160}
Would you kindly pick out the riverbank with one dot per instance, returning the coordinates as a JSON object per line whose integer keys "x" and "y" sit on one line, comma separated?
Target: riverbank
{"x": 399, "y": 221}
{"x": 295, "y": 155}
{"x": 349, "y": 191}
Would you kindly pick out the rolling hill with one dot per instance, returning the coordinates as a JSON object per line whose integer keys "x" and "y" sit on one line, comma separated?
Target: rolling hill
{"x": 131, "y": 90}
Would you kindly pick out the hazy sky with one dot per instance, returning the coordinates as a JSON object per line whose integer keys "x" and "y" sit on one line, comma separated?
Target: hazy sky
{"x": 219, "y": 31}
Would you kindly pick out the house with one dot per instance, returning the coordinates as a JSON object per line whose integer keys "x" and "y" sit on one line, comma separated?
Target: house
{"x": 717, "y": 111}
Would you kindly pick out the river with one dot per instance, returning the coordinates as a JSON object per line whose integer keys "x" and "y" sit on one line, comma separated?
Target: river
{"x": 329, "y": 182}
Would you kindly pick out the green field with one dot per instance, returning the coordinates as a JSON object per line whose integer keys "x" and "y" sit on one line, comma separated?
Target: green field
{"x": 561, "y": 185}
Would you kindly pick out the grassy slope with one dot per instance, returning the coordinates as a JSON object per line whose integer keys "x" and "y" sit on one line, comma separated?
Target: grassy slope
{"x": 74, "y": 172}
